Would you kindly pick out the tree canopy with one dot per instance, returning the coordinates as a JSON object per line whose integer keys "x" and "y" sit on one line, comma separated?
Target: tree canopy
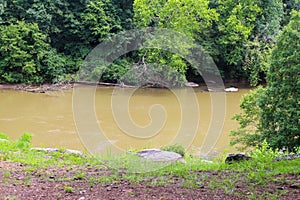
{"x": 238, "y": 34}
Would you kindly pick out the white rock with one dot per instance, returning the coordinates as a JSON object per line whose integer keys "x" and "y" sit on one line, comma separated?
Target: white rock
{"x": 191, "y": 84}
{"x": 51, "y": 150}
{"x": 76, "y": 152}
{"x": 160, "y": 155}
{"x": 231, "y": 89}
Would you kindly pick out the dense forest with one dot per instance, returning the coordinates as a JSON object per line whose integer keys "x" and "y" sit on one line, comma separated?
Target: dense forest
{"x": 46, "y": 41}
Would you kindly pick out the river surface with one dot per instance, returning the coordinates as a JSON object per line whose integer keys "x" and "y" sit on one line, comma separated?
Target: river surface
{"x": 49, "y": 117}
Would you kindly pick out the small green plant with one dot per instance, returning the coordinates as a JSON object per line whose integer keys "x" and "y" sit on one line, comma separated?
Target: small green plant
{"x": 177, "y": 148}
{"x": 264, "y": 153}
{"x": 3, "y": 136}
{"x": 79, "y": 176}
{"x": 69, "y": 189}
{"x": 24, "y": 142}
{"x": 58, "y": 196}
{"x": 7, "y": 174}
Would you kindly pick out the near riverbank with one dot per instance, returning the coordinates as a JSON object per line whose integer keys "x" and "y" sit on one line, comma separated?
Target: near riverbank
{"x": 30, "y": 174}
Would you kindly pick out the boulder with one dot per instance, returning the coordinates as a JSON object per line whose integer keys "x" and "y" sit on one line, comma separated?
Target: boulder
{"x": 231, "y": 158}
{"x": 160, "y": 155}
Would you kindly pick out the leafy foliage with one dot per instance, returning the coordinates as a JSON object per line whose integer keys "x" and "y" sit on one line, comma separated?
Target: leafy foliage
{"x": 237, "y": 20}
{"x": 26, "y": 57}
{"x": 186, "y": 16}
{"x": 238, "y": 34}
{"x": 247, "y": 133}
{"x": 101, "y": 19}
{"x": 280, "y": 104}
{"x": 263, "y": 39}
{"x": 273, "y": 113}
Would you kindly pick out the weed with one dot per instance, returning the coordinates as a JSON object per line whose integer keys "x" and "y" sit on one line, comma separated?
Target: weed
{"x": 79, "y": 176}
{"x": 3, "y": 136}
{"x": 58, "y": 196}
{"x": 92, "y": 181}
{"x": 7, "y": 174}
{"x": 27, "y": 180}
{"x": 189, "y": 184}
{"x": 69, "y": 189}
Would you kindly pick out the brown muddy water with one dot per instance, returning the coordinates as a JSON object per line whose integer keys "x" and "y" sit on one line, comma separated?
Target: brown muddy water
{"x": 124, "y": 116}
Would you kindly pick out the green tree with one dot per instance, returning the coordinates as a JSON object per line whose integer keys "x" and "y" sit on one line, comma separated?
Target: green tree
{"x": 59, "y": 20}
{"x": 192, "y": 18}
{"x": 101, "y": 20}
{"x": 288, "y": 6}
{"x": 273, "y": 113}
{"x": 124, "y": 11}
{"x": 280, "y": 104}
{"x": 262, "y": 39}
{"x": 26, "y": 57}
{"x": 237, "y": 20}
{"x": 2, "y": 6}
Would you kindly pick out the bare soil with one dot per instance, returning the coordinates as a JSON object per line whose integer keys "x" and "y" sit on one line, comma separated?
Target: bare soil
{"x": 17, "y": 181}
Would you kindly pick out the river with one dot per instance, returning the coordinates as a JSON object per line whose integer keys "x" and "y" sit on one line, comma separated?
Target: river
{"x": 49, "y": 117}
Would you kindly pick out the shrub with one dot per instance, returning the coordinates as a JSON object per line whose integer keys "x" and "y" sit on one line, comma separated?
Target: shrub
{"x": 177, "y": 148}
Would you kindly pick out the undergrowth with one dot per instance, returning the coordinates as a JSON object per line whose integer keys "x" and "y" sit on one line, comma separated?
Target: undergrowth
{"x": 258, "y": 171}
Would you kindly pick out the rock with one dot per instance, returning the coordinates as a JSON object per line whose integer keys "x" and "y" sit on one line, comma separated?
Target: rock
{"x": 51, "y": 150}
{"x": 160, "y": 155}
{"x": 295, "y": 186}
{"x": 288, "y": 157}
{"x": 75, "y": 152}
{"x": 191, "y": 84}
{"x": 231, "y": 89}
{"x": 48, "y": 150}
{"x": 231, "y": 158}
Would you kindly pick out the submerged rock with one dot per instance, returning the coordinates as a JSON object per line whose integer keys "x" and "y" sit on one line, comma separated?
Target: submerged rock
{"x": 160, "y": 155}
{"x": 231, "y": 158}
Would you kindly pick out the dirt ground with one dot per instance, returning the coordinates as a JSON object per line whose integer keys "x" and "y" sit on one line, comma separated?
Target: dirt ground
{"x": 19, "y": 182}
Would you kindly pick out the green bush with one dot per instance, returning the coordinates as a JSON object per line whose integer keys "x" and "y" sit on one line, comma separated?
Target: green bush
{"x": 24, "y": 142}
{"x": 177, "y": 148}
{"x": 3, "y": 136}
{"x": 26, "y": 55}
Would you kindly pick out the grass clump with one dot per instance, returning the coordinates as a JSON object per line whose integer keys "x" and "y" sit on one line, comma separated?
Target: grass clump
{"x": 177, "y": 148}
{"x": 69, "y": 189}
